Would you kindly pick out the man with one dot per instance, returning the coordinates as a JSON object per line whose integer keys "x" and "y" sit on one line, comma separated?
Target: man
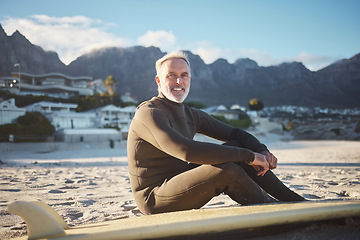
{"x": 169, "y": 171}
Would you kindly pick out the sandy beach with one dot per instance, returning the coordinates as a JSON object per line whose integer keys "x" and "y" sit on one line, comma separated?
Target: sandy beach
{"x": 91, "y": 185}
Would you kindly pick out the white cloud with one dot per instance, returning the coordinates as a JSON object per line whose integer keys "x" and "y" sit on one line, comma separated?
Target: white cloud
{"x": 70, "y": 37}
{"x": 161, "y": 39}
{"x": 315, "y": 62}
{"x": 73, "y": 36}
{"x": 210, "y": 53}
{"x": 207, "y": 51}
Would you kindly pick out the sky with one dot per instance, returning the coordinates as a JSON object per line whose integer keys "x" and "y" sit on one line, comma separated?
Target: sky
{"x": 314, "y": 32}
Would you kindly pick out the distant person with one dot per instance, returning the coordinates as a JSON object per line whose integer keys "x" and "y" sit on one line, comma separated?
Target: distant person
{"x": 169, "y": 171}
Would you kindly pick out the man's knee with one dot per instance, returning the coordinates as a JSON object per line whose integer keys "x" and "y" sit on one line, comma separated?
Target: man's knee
{"x": 231, "y": 170}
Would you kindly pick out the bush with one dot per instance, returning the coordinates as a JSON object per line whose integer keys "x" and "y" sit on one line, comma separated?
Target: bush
{"x": 256, "y": 105}
{"x": 31, "y": 127}
{"x": 244, "y": 122}
{"x": 241, "y": 123}
{"x": 112, "y": 144}
{"x": 197, "y": 105}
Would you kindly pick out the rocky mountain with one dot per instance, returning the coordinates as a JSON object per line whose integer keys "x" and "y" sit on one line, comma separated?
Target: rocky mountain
{"x": 33, "y": 59}
{"x": 343, "y": 77}
{"x": 133, "y": 68}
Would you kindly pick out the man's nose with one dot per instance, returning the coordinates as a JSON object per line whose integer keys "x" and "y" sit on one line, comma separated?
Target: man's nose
{"x": 178, "y": 80}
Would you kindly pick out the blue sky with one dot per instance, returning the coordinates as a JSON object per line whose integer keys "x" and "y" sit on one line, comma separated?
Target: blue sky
{"x": 314, "y": 32}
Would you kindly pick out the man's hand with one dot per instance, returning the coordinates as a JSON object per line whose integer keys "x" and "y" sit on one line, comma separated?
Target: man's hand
{"x": 271, "y": 159}
{"x": 260, "y": 164}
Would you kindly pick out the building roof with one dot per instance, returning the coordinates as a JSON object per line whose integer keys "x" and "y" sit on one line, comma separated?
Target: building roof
{"x": 9, "y": 105}
{"x": 79, "y": 131}
{"x": 114, "y": 108}
{"x": 54, "y": 74}
{"x": 54, "y": 104}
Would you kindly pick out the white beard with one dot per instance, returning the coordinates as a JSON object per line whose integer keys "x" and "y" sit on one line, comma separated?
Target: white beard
{"x": 169, "y": 95}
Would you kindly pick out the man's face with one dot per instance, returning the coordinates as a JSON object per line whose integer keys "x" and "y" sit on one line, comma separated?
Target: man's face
{"x": 174, "y": 79}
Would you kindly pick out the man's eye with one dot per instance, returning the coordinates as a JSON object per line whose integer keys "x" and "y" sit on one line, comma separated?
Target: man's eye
{"x": 185, "y": 75}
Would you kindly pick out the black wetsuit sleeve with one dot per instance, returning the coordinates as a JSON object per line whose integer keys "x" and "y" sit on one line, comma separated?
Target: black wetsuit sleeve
{"x": 221, "y": 131}
{"x": 247, "y": 140}
{"x": 154, "y": 128}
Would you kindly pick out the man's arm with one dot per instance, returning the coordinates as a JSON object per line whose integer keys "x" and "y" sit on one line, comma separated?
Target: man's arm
{"x": 224, "y": 132}
{"x": 153, "y": 127}
{"x": 214, "y": 128}
{"x": 248, "y": 141}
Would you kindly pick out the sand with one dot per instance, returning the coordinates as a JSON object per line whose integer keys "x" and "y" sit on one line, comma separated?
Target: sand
{"x": 92, "y": 185}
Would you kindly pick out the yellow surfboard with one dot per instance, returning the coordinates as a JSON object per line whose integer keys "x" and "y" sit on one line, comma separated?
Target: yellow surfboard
{"x": 43, "y": 222}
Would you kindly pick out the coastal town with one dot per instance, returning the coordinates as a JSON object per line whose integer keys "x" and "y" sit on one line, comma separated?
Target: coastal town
{"x": 111, "y": 123}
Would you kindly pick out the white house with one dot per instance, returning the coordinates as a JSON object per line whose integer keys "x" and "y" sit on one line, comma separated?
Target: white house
{"x": 9, "y": 112}
{"x": 128, "y": 98}
{"x": 221, "y": 110}
{"x": 49, "y": 107}
{"x": 127, "y": 114}
{"x": 72, "y": 120}
{"x": 51, "y": 84}
{"x": 113, "y": 116}
{"x": 63, "y": 115}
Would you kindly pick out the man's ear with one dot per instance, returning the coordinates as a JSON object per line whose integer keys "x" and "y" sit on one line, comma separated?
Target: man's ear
{"x": 157, "y": 79}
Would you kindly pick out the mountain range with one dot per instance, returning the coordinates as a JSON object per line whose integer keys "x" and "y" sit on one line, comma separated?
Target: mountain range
{"x": 337, "y": 85}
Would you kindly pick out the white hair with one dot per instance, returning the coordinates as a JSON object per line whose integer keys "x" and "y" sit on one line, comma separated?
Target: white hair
{"x": 171, "y": 55}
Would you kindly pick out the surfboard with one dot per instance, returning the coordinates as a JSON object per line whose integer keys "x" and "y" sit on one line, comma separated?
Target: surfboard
{"x": 43, "y": 222}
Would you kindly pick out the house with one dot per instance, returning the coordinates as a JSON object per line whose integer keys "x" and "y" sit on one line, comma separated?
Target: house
{"x": 72, "y": 120}
{"x": 128, "y": 98}
{"x": 50, "y": 107}
{"x": 89, "y": 126}
{"x": 9, "y": 112}
{"x": 221, "y": 110}
{"x": 64, "y": 118}
{"x": 51, "y": 84}
{"x": 97, "y": 86}
{"x": 63, "y": 115}
{"x": 113, "y": 116}
{"x": 126, "y": 117}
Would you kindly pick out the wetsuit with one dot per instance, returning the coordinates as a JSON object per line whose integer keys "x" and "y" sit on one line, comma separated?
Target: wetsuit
{"x": 169, "y": 171}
